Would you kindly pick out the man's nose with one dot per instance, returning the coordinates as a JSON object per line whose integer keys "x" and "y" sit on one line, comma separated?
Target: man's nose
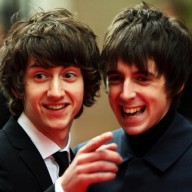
{"x": 55, "y": 88}
{"x": 128, "y": 90}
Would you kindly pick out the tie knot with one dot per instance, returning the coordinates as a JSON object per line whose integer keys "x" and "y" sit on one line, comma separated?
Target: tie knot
{"x": 62, "y": 160}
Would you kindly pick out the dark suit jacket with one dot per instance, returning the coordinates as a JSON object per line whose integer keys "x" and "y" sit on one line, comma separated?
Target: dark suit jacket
{"x": 4, "y": 111}
{"x": 22, "y": 168}
{"x": 167, "y": 167}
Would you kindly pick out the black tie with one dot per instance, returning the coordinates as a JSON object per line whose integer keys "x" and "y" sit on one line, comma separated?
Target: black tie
{"x": 62, "y": 160}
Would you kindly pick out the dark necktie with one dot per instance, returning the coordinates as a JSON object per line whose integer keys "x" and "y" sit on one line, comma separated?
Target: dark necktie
{"x": 62, "y": 160}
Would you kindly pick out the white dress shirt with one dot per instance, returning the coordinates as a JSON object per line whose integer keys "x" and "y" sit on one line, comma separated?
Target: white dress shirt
{"x": 46, "y": 148}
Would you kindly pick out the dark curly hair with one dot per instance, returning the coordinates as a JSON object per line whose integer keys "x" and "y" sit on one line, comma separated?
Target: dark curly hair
{"x": 52, "y": 38}
{"x": 144, "y": 32}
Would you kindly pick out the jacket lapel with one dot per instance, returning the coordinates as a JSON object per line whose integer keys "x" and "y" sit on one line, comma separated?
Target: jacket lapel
{"x": 28, "y": 153}
{"x": 175, "y": 141}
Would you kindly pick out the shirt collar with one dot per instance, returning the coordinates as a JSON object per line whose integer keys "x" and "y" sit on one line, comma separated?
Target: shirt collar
{"x": 44, "y": 145}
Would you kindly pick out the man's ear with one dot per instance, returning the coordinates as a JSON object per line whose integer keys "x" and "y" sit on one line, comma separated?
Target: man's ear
{"x": 180, "y": 89}
{"x": 16, "y": 94}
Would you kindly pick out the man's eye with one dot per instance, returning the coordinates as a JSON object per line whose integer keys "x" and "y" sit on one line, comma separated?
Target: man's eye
{"x": 113, "y": 79}
{"x": 70, "y": 75}
{"x": 40, "y": 76}
{"x": 142, "y": 79}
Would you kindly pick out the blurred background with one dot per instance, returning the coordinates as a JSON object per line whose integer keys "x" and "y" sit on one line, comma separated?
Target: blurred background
{"x": 98, "y": 14}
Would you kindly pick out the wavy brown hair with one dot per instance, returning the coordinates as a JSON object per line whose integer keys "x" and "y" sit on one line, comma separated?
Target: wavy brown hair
{"x": 52, "y": 38}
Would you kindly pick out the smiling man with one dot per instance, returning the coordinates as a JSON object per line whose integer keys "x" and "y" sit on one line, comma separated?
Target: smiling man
{"x": 134, "y": 94}
{"x": 145, "y": 62}
{"x": 48, "y": 73}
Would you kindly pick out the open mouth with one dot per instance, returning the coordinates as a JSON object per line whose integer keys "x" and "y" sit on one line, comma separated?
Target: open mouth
{"x": 56, "y": 107}
{"x": 133, "y": 112}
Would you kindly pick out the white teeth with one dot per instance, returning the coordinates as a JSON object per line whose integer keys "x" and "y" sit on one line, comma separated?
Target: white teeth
{"x": 132, "y": 110}
{"x": 56, "y": 107}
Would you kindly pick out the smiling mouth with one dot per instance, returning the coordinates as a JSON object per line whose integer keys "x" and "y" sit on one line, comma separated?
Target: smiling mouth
{"x": 55, "y": 107}
{"x": 133, "y": 112}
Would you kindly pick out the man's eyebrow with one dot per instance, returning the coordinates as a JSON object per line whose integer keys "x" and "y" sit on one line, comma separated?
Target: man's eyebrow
{"x": 36, "y": 65}
{"x": 149, "y": 73}
{"x": 33, "y": 65}
{"x": 145, "y": 73}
